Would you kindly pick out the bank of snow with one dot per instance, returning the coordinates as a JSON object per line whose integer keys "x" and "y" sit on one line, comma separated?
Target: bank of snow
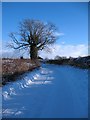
{"x": 51, "y": 91}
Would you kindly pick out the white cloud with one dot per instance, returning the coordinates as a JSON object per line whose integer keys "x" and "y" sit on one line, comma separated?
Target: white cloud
{"x": 58, "y": 34}
{"x": 5, "y": 53}
{"x": 56, "y": 49}
{"x": 66, "y": 50}
{"x": 10, "y": 53}
{"x": 63, "y": 42}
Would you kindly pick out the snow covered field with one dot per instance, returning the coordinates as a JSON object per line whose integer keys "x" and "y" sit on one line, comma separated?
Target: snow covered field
{"x": 51, "y": 91}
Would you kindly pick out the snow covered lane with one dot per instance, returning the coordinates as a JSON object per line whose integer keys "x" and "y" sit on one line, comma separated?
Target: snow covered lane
{"x": 49, "y": 92}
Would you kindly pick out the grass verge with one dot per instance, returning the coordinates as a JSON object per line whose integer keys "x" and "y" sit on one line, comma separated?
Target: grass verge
{"x": 12, "y": 68}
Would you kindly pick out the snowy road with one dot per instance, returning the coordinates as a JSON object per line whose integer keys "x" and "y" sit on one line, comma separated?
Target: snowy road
{"x": 51, "y": 91}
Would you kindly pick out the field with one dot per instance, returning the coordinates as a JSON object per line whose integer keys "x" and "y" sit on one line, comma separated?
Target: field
{"x": 12, "y": 68}
{"x": 51, "y": 91}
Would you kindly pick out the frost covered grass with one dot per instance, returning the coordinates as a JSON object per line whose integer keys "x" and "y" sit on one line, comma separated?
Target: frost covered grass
{"x": 11, "y": 68}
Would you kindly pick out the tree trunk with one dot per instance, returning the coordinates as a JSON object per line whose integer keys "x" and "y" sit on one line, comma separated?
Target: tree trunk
{"x": 33, "y": 52}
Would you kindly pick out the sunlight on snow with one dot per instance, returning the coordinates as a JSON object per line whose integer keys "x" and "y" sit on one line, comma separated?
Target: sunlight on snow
{"x": 6, "y": 95}
{"x": 12, "y": 112}
{"x": 47, "y": 92}
{"x": 30, "y": 81}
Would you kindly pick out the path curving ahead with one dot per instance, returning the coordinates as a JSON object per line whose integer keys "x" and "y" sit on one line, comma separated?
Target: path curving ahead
{"x": 51, "y": 91}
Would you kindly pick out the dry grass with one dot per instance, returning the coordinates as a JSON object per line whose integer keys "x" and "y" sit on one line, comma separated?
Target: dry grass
{"x": 11, "y": 68}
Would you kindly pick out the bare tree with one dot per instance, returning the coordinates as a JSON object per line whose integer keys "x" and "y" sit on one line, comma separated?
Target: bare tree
{"x": 34, "y": 35}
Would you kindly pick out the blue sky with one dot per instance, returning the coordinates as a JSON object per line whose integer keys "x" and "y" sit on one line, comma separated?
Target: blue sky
{"x": 71, "y": 18}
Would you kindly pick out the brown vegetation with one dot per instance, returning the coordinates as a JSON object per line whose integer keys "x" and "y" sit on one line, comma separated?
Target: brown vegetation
{"x": 11, "y": 68}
